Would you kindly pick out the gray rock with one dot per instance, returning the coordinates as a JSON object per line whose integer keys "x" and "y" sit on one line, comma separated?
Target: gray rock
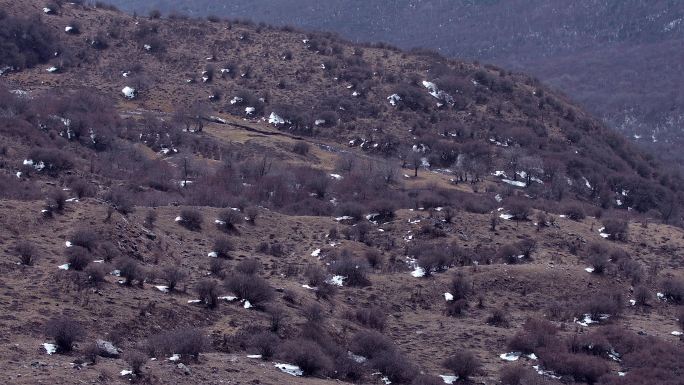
{"x": 107, "y": 349}
{"x": 184, "y": 369}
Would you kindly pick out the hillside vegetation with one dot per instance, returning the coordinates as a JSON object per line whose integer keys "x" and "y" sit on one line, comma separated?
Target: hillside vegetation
{"x": 211, "y": 201}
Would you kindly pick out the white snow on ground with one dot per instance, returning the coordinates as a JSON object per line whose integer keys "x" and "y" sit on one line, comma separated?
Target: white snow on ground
{"x": 661, "y": 296}
{"x": 632, "y": 302}
{"x": 128, "y": 92}
{"x": 162, "y": 288}
{"x": 126, "y": 372}
{"x": 178, "y": 218}
{"x": 194, "y": 301}
{"x": 68, "y": 28}
{"x": 448, "y": 379}
{"x": 318, "y": 122}
{"x": 52, "y": 69}
{"x": 386, "y": 380}
{"x": 316, "y": 253}
{"x": 212, "y": 254}
{"x": 589, "y": 269}
{"x": 275, "y": 119}
{"x": 50, "y": 348}
{"x": 174, "y": 357}
{"x": 249, "y": 110}
{"x": 254, "y": 356}
{"x": 357, "y": 358}
{"x": 393, "y": 99}
{"x": 336, "y": 176}
{"x": 622, "y": 374}
{"x": 147, "y": 47}
{"x": 676, "y": 333}
{"x": 236, "y": 100}
{"x": 337, "y": 280}
{"x": 247, "y": 305}
{"x": 516, "y": 183}
{"x": 512, "y": 356}
{"x": 506, "y": 216}
{"x": 498, "y": 198}
{"x": 47, "y": 10}
{"x": 309, "y": 287}
{"x": 219, "y": 222}
{"x": 586, "y": 182}
{"x": 67, "y": 244}
{"x": 343, "y": 218}
{"x": 587, "y": 320}
{"x": 547, "y": 373}
{"x": 290, "y": 369}
{"x": 64, "y": 266}
{"x": 228, "y": 298}
{"x": 602, "y": 234}
{"x": 448, "y": 296}
{"x": 418, "y": 272}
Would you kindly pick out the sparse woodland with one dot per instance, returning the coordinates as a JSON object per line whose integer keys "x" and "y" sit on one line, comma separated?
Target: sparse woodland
{"x": 212, "y": 201}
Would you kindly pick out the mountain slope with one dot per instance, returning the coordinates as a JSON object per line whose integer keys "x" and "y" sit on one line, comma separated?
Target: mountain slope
{"x": 317, "y": 213}
{"x": 619, "y": 59}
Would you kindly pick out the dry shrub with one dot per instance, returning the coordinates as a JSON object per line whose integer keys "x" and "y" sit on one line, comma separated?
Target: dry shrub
{"x": 78, "y": 258}
{"x": 184, "y": 341}
{"x": 85, "y": 238}
{"x": 228, "y": 220}
{"x": 64, "y": 331}
{"x": 191, "y": 219}
{"x": 464, "y": 364}
{"x": 498, "y": 318}
{"x": 370, "y": 343}
{"x": 207, "y": 290}
{"x": 536, "y": 333}
{"x": 27, "y": 252}
{"x": 223, "y": 246}
{"x": 372, "y": 317}
{"x": 673, "y": 289}
{"x": 308, "y": 355}
{"x": 172, "y": 276}
{"x": 250, "y": 287}
{"x": 135, "y": 359}
{"x": 265, "y": 343}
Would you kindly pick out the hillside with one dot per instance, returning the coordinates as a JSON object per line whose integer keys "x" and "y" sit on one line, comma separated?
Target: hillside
{"x": 620, "y": 59}
{"x": 191, "y": 201}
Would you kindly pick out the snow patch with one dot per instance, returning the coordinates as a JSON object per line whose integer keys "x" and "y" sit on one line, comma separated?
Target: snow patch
{"x": 336, "y": 280}
{"x": 316, "y": 253}
{"x": 50, "y": 349}
{"x": 275, "y": 119}
{"x": 448, "y": 379}
{"x": 448, "y": 296}
{"x": 129, "y": 92}
{"x": 290, "y": 369}
{"x": 512, "y": 356}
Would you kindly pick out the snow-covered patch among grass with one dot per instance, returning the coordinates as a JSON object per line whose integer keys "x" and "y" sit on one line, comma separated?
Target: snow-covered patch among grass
{"x": 37, "y": 166}
{"x": 546, "y": 373}
{"x": 129, "y": 92}
{"x": 622, "y": 374}
{"x": 336, "y": 280}
{"x": 498, "y": 198}
{"x": 52, "y": 69}
{"x": 290, "y": 369}
{"x": 448, "y": 296}
{"x": 229, "y": 298}
{"x": 275, "y": 119}
{"x": 50, "y": 349}
{"x": 174, "y": 357}
{"x": 254, "y": 356}
{"x": 193, "y": 301}
{"x": 212, "y": 254}
{"x": 178, "y": 218}
{"x": 515, "y": 183}
{"x": 602, "y": 234}
{"x": 309, "y": 287}
{"x": 249, "y": 110}
{"x": 676, "y": 333}
{"x": 394, "y": 99}
{"x": 589, "y": 269}
{"x": 357, "y": 358}
{"x": 319, "y": 122}
{"x": 588, "y": 320}
{"x": 126, "y": 372}
{"x": 344, "y": 218}
{"x": 67, "y": 244}
{"x": 506, "y": 217}
{"x": 247, "y": 305}
{"x": 63, "y": 267}
{"x": 418, "y": 272}
{"x": 162, "y": 288}
{"x": 336, "y": 176}
{"x": 512, "y": 356}
{"x": 68, "y": 28}
{"x": 48, "y": 11}
{"x": 437, "y": 93}
{"x": 448, "y": 379}
{"x": 316, "y": 253}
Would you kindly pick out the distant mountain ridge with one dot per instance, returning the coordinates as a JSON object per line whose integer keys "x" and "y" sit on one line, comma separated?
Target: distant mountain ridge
{"x": 620, "y": 59}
